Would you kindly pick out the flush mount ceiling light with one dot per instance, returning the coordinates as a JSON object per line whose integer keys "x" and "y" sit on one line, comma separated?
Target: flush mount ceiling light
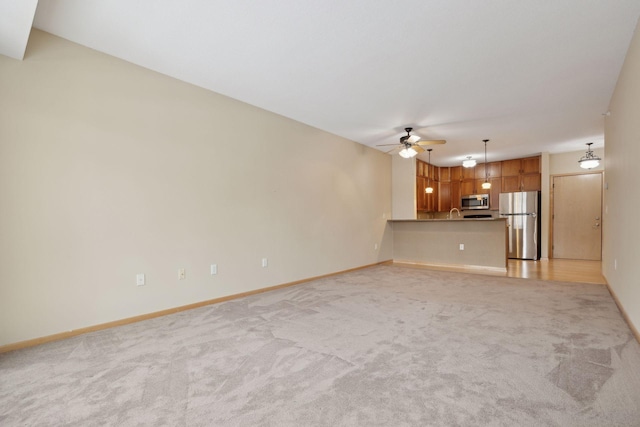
{"x": 589, "y": 160}
{"x": 429, "y": 188}
{"x": 486, "y": 185}
{"x": 469, "y": 163}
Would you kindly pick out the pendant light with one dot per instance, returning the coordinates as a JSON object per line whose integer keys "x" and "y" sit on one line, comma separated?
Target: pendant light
{"x": 589, "y": 160}
{"x": 486, "y": 185}
{"x": 429, "y": 188}
{"x": 469, "y": 163}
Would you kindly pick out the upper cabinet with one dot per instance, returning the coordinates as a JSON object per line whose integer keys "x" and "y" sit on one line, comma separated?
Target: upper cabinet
{"x": 444, "y": 174}
{"x": 450, "y": 183}
{"x": 521, "y": 175}
{"x": 427, "y": 176}
{"x": 492, "y": 169}
{"x": 455, "y": 172}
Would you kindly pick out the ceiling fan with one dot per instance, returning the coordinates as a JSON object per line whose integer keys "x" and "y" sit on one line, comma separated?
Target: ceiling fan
{"x": 410, "y": 145}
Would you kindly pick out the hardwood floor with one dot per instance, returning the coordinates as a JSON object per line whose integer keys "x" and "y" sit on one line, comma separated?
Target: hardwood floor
{"x": 563, "y": 270}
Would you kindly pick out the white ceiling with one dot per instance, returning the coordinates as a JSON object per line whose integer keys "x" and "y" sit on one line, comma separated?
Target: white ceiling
{"x": 529, "y": 75}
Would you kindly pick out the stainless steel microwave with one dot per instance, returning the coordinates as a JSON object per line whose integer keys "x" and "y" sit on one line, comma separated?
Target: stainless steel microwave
{"x": 474, "y": 201}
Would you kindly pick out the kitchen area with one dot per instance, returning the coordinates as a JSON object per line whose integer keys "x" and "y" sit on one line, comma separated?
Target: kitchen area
{"x": 473, "y": 217}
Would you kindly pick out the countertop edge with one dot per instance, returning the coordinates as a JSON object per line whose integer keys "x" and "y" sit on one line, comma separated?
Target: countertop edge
{"x": 447, "y": 220}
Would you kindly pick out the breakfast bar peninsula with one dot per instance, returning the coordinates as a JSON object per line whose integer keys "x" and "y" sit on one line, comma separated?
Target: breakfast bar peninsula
{"x": 461, "y": 243}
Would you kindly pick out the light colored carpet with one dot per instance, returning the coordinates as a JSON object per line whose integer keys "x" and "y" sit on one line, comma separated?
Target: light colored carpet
{"x": 387, "y": 345}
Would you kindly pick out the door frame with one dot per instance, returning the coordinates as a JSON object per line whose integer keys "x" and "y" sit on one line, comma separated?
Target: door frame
{"x": 551, "y": 207}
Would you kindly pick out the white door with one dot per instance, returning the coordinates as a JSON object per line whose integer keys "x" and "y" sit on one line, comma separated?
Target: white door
{"x": 577, "y": 217}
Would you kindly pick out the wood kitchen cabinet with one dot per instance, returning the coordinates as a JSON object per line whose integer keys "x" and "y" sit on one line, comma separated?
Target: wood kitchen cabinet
{"x": 493, "y": 192}
{"x": 468, "y": 186}
{"x": 444, "y": 174}
{"x": 474, "y": 186}
{"x": 493, "y": 169}
{"x": 511, "y": 167}
{"x": 420, "y": 168}
{"x": 455, "y": 173}
{"x": 455, "y": 195}
{"x": 468, "y": 173}
{"x": 448, "y": 196}
{"x": 421, "y": 199}
{"x": 451, "y": 183}
{"x": 521, "y": 175}
{"x": 455, "y": 190}
{"x": 444, "y": 189}
{"x": 444, "y": 196}
{"x": 432, "y": 198}
{"x": 426, "y": 202}
{"x": 493, "y": 172}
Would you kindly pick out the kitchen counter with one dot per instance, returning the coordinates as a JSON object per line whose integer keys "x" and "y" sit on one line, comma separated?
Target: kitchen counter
{"x": 447, "y": 219}
{"x": 438, "y": 242}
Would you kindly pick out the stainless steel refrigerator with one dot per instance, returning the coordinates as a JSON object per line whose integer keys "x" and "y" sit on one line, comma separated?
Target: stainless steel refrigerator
{"x": 523, "y": 221}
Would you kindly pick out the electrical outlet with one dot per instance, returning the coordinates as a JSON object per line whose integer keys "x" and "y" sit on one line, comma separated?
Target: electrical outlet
{"x": 140, "y": 280}
{"x": 265, "y": 262}
{"x": 615, "y": 264}
{"x": 214, "y": 269}
{"x": 462, "y": 246}
{"x": 375, "y": 246}
{"x": 181, "y": 274}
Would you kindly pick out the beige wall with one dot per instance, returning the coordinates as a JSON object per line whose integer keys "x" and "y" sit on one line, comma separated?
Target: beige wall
{"x": 403, "y": 179}
{"x": 567, "y": 163}
{"x": 108, "y": 170}
{"x": 621, "y": 243}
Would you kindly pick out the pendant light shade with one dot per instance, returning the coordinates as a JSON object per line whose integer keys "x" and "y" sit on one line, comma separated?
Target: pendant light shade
{"x": 589, "y": 160}
{"x": 429, "y": 188}
{"x": 486, "y": 185}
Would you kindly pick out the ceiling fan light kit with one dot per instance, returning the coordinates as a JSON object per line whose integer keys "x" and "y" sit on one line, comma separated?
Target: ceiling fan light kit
{"x": 410, "y": 145}
{"x": 589, "y": 160}
{"x": 408, "y": 152}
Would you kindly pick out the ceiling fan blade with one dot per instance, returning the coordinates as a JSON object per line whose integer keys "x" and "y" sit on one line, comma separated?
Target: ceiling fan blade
{"x": 387, "y": 145}
{"x": 418, "y": 149}
{"x": 432, "y": 142}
